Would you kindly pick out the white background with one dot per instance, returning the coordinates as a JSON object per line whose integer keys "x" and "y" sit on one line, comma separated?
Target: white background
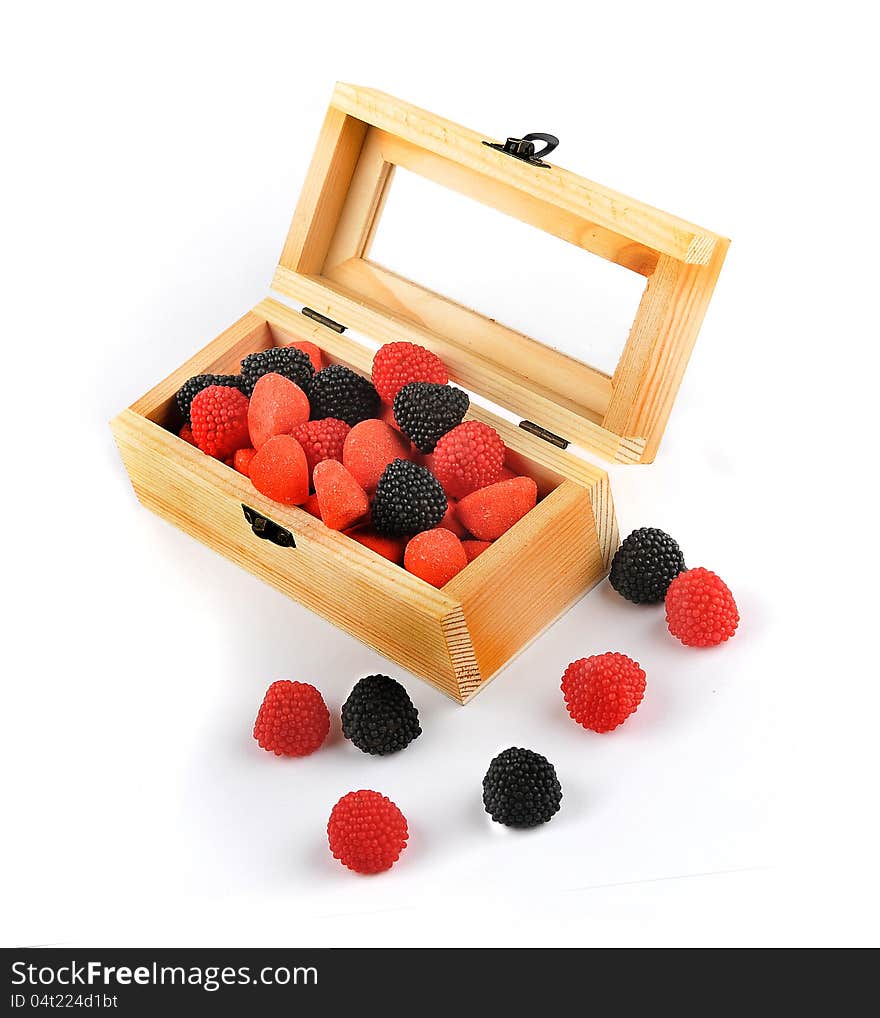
{"x": 153, "y": 155}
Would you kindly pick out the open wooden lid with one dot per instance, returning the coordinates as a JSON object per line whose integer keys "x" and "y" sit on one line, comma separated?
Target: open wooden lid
{"x": 325, "y": 265}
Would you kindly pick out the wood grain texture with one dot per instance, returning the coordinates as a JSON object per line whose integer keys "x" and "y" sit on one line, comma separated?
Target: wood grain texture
{"x": 529, "y": 577}
{"x": 644, "y": 335}
{"x": 616, "y": 213}
{"x": 381, "y": 604}
{"x": 659, "y": 346}
{"x": 326, "y": 265}
{"x": 546, "y": 216}
{"x": 363, "y": 206}
{"x": 346, "y": 351}
{"x": 550, "y": 373}
{"x": 496, "y": 381}
{"x": 324, "y": 192}
{"x": 461, "y": 653}
{"x": 605, "y": 519}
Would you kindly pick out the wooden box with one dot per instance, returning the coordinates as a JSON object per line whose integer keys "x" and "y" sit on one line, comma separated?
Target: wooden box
{"x": 458, "y": 637}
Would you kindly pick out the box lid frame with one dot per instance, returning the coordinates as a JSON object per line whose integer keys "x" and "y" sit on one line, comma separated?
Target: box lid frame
{"x": 325, "y": 265}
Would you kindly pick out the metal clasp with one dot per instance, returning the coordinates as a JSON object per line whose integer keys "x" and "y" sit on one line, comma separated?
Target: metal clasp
{"x": 268, "y": 530}
{"x": 524, "y": 148}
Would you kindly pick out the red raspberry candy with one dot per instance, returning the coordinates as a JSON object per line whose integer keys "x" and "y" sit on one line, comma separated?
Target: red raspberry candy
{"x": 700, "y": 609}
{"x": 293, "y": 719}
{"x": 186, "y": 433}
{"x": 435, "y": 556}
{"x": 321, "y": 440}
{"x": 219, "y": 417}
{"x": 397, "y": 364}
{"x": 602, "y": 691}
{"x": 366, "y": 832}
{"x": 468, "y": 458}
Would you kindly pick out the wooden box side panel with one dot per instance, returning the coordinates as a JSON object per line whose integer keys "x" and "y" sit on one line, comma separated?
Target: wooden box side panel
{"x": 324, "y": 192}
{"x": 529, "y": 577}
{"x": 651, "y": 368}
{"x": 391, "y": 611}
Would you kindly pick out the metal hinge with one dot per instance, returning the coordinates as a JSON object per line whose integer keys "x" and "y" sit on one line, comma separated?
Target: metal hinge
{"x": 316, "y": 316}
{"x": 548, "y": 436}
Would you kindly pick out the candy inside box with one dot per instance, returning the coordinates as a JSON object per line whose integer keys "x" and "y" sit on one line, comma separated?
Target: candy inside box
{"x": 460, "y": 636}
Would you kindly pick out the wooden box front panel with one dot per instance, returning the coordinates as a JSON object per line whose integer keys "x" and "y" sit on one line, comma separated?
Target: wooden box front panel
{"x": 386, "y": 608}
{"x": 510, "y": 595}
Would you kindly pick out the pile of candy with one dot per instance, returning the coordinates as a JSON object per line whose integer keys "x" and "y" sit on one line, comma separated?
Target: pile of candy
{"x": 367, "y": 832}
{"x": 389, "y": 461}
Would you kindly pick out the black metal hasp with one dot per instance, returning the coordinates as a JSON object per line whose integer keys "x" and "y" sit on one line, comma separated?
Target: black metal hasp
{"x": 524, "y": 148}
{"x": 266, "y": 529}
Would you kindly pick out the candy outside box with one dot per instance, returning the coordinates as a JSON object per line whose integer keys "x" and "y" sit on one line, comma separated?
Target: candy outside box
{"x": 460, "y": 636}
